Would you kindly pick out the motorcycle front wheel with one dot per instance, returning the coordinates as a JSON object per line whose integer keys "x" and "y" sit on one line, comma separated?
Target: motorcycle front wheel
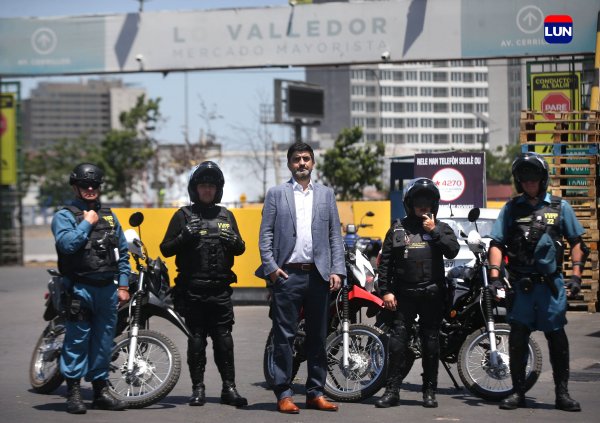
{"x": 489, "y": 382}
{"x": 155, "y": 372}
{"x": 44, "y": 371}
{"x": 365, "y": 374}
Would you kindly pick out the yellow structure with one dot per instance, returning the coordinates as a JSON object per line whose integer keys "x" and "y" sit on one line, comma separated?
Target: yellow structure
{"x": 248, "y": 219}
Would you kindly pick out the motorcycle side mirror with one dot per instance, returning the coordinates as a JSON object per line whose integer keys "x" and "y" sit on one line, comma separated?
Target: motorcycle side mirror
{"x": 473, "y": 214}
{"x": 136, "y": 219}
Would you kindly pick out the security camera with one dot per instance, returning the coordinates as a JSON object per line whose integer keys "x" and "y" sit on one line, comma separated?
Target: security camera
{"x": 139, "y": 57}
{"x": 385, "y": 56}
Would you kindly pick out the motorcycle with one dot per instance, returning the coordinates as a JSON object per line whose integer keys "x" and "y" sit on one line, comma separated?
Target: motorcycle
{"x": 345, "y": 311}
{"x": 44, "y": 373}
{"x": 474, "y": 333}
{"x": 145, "y": 364}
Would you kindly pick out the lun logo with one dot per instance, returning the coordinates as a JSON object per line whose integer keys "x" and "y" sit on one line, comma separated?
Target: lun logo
{"x": 558, "y": 29}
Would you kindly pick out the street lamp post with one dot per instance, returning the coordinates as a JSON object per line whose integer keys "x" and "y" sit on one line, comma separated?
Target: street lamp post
{"x": 378, "y": 103}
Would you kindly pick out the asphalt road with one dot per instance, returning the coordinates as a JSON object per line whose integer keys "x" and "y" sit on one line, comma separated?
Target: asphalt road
{"x": 21, "y": 306}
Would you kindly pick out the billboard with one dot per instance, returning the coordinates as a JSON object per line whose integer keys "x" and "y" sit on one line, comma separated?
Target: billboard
{"x": 459, "y": 176}
{"x": 314, "y": 34}
{"x": 8, "y": 139}
{"x": 553, "y": 93}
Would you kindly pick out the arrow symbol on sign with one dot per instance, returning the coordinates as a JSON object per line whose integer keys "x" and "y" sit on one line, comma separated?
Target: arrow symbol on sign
{"x": 43, "y": 40}
{"x": 530, "y": 18}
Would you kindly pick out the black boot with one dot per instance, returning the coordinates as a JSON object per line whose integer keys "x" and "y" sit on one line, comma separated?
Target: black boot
{"x": 74, "y": 403}
{"x": 397, "y": 361}
{"x": 224, "y": 359}
{"x": 518, "y": 341}
{"x": 430, "y": 360}
{"x": 230, "y": 395}
{"x": 429, "y": 400}
{"x": 558, "y": 345}
{"x": 198, "y": 397}
{"x": 196, "y": 360}
{"x": 391, "y": 395}
{"x": 103, "y": 400}
{"x": 390, "y": 398}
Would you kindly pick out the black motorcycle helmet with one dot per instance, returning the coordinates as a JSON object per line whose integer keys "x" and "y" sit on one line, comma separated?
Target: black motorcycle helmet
{"x": 421, "y": 187}
{"x": 209, "y": 173}
{"x": 531, "y": 163}
{"x": 87, "y": 173}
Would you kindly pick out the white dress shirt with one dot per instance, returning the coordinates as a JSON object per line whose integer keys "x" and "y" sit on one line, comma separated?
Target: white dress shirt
{"x": 303, "y": 250}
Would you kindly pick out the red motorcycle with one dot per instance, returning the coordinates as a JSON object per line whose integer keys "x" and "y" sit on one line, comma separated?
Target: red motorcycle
{"x": 355, "y": 352}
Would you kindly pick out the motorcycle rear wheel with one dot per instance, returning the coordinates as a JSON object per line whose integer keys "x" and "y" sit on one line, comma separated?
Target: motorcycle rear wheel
{"x": 367, "y": 364}
{"x": 44, "y": 370}
{"x": 494, "y": 384}
{"x": 156, "y": 369}
{"x": 268, "y": 359}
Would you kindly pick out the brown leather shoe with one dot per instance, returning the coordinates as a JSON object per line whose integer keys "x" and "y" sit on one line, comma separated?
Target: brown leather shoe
{"x": 287, "y": 406}
{"x": 320, "y": 403}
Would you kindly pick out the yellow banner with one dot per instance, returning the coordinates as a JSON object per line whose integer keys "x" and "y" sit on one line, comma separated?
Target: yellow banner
{"x": 553, "y": 93}
{"x": 8, "y": 138}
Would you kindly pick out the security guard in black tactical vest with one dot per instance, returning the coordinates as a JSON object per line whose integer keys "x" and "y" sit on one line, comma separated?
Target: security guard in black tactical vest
{"x": 411, "y": 281}
{"x": 205, "y": 238}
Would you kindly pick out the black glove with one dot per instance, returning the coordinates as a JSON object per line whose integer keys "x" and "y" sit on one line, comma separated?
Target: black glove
{"x": 229, "y": 238}
{"x": 574, "y": 285}
{"x": 191, "y": 230}
{"x": 495, "y": 285}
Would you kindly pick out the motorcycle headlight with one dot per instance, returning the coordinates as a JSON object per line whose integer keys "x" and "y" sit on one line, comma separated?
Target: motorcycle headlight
{"x": 362, "y": 244}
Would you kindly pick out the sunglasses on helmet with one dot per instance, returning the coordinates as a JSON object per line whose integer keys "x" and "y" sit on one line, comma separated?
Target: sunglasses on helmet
{"x": 88, "y": 184}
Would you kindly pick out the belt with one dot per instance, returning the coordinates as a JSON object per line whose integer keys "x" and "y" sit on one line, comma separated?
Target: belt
{"x": 305, "y": 267}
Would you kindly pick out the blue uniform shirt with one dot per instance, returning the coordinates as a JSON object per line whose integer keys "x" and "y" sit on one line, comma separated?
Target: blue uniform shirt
{"x": 70, "y": 237}
{"x": 569, "y": 225}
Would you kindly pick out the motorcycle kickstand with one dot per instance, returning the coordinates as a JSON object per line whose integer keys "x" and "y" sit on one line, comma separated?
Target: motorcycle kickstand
{"x": 456, "y": 385}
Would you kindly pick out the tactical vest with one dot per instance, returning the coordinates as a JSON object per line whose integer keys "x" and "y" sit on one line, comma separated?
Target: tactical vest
{"x": 207, "y": 261}
{"x": 527, "y": 228}
{"x": 97, "y": 255}
{"x": 414, "y": 268}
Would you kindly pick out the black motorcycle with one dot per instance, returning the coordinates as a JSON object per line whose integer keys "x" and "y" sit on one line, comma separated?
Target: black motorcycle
{"x": 474, "y": 333}
{"x": 145, "y": 364}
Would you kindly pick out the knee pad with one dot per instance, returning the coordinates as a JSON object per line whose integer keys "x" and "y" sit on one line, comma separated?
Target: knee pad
{"x": 222, "y": 339}
{"x": 197, "y": 343}
{"x": 398, "y": 338}
{"x": 430, "y": 340}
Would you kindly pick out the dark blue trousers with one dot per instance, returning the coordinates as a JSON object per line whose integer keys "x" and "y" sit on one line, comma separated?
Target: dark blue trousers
{"x": 306, "y": 293}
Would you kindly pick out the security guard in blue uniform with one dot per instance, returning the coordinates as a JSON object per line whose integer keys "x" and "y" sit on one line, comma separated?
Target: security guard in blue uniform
{"x": 412, "y": 282}
{"x": 205, "y": 238}
{"x": 92, "y": 256}
{"x": 530, "y": 230}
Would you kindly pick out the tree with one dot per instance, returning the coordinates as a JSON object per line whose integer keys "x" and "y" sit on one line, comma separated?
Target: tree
{"x": 498, "y": 164}
{"x": 351, "y": 165}
{"x": 124, "y": 155}
{"x": 51, "y": 166}
{"x": 128, "y": 153}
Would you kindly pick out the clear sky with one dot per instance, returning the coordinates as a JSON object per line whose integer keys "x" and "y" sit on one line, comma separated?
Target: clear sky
{"x": 235, "y": 95}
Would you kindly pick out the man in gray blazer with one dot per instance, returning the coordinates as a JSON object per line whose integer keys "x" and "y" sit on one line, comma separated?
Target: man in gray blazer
{"x": 302, "y": 255}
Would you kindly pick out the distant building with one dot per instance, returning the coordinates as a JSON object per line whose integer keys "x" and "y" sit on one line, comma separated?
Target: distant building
{"x": 424, "y": 106}
{"x": 64, "y": 110}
